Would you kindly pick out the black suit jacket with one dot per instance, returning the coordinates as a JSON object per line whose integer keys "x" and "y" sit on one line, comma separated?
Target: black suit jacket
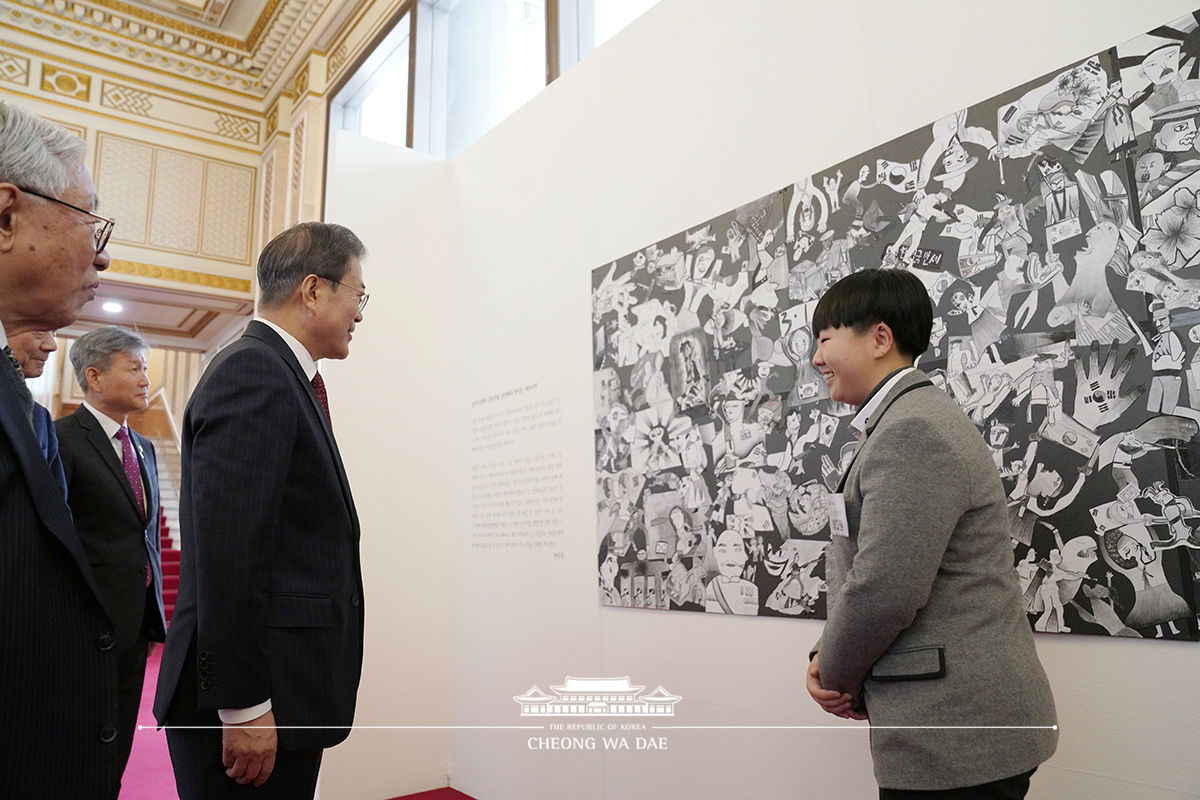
{"x": 270, "y": 589}
{"x": 58, "y": 667}
{"x": 118, "y": 540}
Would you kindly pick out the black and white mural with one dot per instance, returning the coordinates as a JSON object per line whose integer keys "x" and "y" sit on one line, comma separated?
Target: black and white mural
{"x": 1057, "y": 228}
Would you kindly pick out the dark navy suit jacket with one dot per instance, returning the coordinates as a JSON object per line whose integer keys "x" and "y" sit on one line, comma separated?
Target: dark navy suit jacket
{"x": 43, "y": 428}
{"x": 270, "y": 593}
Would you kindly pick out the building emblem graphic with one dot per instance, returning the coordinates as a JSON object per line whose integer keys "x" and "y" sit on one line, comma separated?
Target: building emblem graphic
{"x": 589, "y": 697}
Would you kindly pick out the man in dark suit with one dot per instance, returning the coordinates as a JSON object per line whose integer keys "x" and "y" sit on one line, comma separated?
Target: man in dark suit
{"x": 32, "y": 349}
{"x": 269, "y": 623}
{"x": 59, "y": 666}
{"x": 112, "y": 488}
{"x": 926, "y": 633}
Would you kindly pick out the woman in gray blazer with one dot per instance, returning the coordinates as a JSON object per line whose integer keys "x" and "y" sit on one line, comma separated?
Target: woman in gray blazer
{"x": 926, "y": 636}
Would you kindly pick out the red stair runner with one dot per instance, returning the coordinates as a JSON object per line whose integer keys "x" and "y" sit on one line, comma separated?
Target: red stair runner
{"x": 170, "y": 567}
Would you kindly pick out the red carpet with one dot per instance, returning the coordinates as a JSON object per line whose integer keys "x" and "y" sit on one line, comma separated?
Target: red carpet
{"x": 148, "y": 775}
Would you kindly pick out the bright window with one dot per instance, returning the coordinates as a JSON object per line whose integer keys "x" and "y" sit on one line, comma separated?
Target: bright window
{"x": 374, "y": 102}
{"x": 474, "y": 62}
{"x": 484, "y": 60}
{"x": 584, "y": 25}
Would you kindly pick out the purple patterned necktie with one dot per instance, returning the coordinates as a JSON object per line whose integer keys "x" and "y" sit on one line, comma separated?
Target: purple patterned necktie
{"x": 319, "y": 386}
{"x": 132, "y": 473}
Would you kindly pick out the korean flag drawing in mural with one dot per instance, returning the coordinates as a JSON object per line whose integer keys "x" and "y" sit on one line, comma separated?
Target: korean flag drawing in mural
{"x": 1057, "y": 228}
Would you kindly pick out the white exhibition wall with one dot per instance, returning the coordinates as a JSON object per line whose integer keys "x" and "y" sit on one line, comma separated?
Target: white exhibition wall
{"x": 384, "y": 402}
{"x": 480, "y": 275}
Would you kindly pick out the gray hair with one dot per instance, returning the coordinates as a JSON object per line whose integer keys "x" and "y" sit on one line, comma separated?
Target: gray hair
{"x": 97, "y": 348}
{"x": 310, "y": 248}
{"x": 36, "y": 153}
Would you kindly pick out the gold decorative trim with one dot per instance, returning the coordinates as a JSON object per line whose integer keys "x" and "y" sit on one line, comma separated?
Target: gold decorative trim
{"x": 148, "y": 56}
{"x": 297, "y": 156}
{"x": 207, "y": 34}
{"x": 14, "y": 69}
{"x": 97, "y": 111}
{"x": 300, "y": 87}
{"x": 174, "y": 275}
{"x": 277, "y": 34}
{"x": 268, "y": 183}
{"x": 245, "y": 109}
{"x": 338, "y": 59}
{"x": 212, "y": 76}
{"x": 56, "y": 80}
{"x": 307, "y": 89}
{"x": 260, "y": 25}
{"x": 138, "y": 103}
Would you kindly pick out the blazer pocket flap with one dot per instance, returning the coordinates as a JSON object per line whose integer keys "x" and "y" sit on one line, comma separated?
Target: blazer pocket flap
{"x": 911, "y": 664}
{"x": 300, "y": 611}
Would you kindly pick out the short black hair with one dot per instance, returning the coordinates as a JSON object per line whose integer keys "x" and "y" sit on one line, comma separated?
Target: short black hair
{"x": 895, "y": 297}
{"x": 309, "y": 248}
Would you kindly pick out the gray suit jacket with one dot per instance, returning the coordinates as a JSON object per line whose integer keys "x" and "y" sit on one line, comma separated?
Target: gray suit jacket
{"x": 925, "y": 618}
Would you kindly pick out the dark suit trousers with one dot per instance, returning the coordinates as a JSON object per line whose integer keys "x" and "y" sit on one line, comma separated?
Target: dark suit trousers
{"x": 200, "y": 775}
{"x": 196, "y": 754}
{"x": 1013, "y": 788}
{"x": 131, "y": 672}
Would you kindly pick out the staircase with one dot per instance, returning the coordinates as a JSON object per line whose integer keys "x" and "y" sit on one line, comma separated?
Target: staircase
{"x": 169, "y": 472}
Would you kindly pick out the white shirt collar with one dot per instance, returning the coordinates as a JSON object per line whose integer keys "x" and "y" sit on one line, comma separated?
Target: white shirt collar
{"x": 110, "y": 425}
{"x": 863, "y": 418}
{"x": 300, "y": 351}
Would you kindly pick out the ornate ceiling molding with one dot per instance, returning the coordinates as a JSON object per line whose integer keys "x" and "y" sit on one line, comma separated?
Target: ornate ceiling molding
{"x": 211, "y": 12}
{"x": 160, "y": 44}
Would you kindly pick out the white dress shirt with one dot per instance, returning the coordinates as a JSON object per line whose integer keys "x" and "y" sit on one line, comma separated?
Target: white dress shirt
{"x": 862, "y": 419}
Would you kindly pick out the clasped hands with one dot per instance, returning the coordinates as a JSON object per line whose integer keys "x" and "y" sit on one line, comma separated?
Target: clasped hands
{"x": 840, "y": 704}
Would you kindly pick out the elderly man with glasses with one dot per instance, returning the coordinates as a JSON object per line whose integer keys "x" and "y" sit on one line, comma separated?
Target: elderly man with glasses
{"x": 102, "y": 228}
{"x": 59, "y": 687}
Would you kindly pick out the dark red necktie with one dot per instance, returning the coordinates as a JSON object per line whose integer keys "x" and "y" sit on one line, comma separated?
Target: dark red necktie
{"x": 319, "y": 386}
{"x": 132, "y": 472}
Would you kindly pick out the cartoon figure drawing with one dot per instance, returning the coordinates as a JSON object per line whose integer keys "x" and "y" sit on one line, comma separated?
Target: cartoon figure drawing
{"x": 727, "y": 592}
{"x": 1056, "y": 227}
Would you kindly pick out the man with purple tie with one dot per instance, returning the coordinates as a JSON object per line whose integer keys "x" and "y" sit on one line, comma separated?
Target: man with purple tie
{"x": 112, "y": 488}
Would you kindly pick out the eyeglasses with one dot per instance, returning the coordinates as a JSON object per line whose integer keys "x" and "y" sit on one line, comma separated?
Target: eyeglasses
{"x": 363, "y": 297}
{"x": 100, "y": 233}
